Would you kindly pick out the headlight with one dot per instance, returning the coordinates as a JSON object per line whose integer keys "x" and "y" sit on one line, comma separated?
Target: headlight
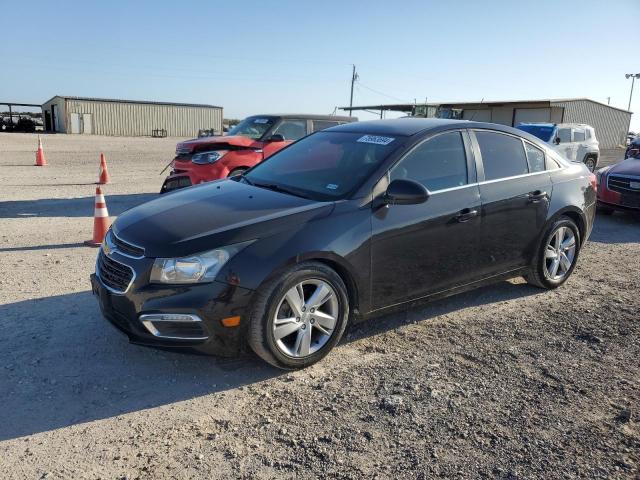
{"x": 199, "y": 268}
{"x": 205, "y": 158}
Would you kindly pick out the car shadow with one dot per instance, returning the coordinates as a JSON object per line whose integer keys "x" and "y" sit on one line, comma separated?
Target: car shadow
{"x": 71, "y": 207}
{"x": 61, "y": 364}
{"x": 619, "y": 227}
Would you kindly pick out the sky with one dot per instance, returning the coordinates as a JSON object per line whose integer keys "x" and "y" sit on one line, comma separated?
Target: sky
{"x": 296, "y": 56}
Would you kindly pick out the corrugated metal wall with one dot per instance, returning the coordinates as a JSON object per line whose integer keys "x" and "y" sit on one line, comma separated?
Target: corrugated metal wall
{"x": 611, "y": 124}
{"x": 140, "y": 119}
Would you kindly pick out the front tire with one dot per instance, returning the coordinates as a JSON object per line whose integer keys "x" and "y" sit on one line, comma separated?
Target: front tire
{"x": 298, "y": 316}
{"x": 557, "y": 255}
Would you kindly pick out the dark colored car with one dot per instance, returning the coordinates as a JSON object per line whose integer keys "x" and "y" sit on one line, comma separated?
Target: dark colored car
{"x": 633, "y": 149}
{"x": 619, "y": 185}
{"x": 248, "y": 143}
{"x": 343, "y": 224}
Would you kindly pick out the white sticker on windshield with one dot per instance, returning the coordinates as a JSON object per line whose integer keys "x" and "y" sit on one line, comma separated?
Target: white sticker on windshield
{"x": 332, "y": 186}
{"x": 261, "y": 120}
{"x": 376, "y": 139}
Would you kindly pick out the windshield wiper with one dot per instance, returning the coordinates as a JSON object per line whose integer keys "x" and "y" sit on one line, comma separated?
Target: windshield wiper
{"x": 281, "y": 189}
{"x": 244, "y": 177}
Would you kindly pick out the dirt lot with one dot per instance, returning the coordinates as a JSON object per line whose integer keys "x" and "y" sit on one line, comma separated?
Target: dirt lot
{"x": 504, "y": 382}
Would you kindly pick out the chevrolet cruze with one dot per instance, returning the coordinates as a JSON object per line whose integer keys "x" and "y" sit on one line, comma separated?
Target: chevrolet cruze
{"x": 341, "y": 225}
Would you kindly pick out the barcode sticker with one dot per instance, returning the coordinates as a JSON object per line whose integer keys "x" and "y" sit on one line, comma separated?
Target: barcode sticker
{"x": 376, "y": 139}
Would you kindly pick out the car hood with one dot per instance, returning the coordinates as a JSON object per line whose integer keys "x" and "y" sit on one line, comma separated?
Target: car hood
{"x": 630, "y": 166}
{"x": 236, "y": 140}
{"x": 211, "y": 215}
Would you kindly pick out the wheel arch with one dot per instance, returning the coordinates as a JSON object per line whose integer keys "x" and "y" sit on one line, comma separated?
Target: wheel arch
{"x": 574, "y": 214}
{"x": 337, "y": 263}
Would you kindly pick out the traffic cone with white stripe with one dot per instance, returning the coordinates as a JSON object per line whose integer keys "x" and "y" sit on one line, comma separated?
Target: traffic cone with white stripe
{"x": 103, "y": 176}
{"x": 101, "y": 220}
{"x": 40, "y": 160}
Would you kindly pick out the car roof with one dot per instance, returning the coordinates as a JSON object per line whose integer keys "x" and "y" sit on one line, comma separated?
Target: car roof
{"x": 307, "y": 116}
{"x": 409, "y": 126}
{"x": 405, "y": 126}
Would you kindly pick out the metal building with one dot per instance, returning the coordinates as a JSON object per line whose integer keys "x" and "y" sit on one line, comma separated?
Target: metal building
{"x": 611, "y": 124}
{"x": 99, "y": 116}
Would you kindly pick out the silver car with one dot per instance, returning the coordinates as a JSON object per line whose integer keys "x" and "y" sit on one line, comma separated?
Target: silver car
{"x": 576, "y": 141}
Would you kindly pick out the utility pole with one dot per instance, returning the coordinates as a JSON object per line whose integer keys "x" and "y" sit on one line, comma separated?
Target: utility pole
{"x": 354, "y": 77}
{"x": 633, "y": 77}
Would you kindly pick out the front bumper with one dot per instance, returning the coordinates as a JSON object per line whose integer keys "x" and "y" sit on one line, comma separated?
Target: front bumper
{"x": 607, "y": 198}
{"x": 210, "y": 302}
{"x": 186, "y": 174}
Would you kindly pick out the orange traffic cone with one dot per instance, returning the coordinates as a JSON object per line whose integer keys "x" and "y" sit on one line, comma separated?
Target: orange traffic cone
{"x": 100, "y": 220}
{"x": 40, "y": 160}
{"x": 103, "y": 177}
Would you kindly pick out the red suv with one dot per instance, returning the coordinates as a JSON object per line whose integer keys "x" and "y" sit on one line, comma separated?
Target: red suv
{"x": 247, "y": 144}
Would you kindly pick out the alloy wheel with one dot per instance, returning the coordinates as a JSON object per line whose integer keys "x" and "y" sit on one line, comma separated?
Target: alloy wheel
{"x": 305, "y": 318}
{"x": 560, "y": 253}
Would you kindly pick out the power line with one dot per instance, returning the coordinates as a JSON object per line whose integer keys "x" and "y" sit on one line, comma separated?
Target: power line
{"x": 379, "y": 93}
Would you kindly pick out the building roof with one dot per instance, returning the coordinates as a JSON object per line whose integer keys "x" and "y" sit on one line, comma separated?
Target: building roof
{"x": 408, "y": 107}
{"x": 146, "y": 102}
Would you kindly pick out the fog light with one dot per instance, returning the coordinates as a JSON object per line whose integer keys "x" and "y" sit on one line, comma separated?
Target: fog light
{"x": 174, "y": 325}
{"x": 170, "y": 317}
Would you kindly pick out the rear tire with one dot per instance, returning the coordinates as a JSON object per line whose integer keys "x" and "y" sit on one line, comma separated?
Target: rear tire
{"x": 237, "y": 171}
{"x": 556, "y": 247}
{"x": 289, "y": 327}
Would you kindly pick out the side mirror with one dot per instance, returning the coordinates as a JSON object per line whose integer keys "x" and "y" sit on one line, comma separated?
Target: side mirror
{"x": 276, "y": 137}
{"x": 405, "y": 192}
{"x": 557, "y": 141}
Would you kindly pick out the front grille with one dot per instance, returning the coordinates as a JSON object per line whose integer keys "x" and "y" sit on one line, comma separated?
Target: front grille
{"x": 623, "y": 184}
{"x": 126, "y": 248}
{"x": 175, "y": 183}
{"x": 114, "y": 275}
{"x": 629, "y": 194}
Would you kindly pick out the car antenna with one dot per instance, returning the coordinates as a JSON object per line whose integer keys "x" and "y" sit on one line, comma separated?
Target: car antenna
{"x": 474, "y": 113}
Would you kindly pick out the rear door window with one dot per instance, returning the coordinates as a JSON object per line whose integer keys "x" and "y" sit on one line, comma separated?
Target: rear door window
{"x": 438, "y": 163}
{"x": 322, "y": 124}
{"x": 502, "y": 155}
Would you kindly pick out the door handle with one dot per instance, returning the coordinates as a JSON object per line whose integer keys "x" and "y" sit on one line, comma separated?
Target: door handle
{"x": 537, "y": 196}
{"x": 466, "y": 214}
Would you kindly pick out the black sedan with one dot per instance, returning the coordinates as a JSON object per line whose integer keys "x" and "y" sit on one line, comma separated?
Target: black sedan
{"x": 343, "y": 224}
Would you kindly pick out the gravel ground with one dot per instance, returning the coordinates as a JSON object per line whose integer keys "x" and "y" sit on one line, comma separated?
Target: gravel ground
{"x": 503, "y": 382}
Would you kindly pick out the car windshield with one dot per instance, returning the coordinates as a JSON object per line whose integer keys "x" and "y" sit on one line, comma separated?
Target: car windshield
{"x": 543, "y": 132}
{"x": 253, "y": 127}
{"x": 325, "y": 165}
